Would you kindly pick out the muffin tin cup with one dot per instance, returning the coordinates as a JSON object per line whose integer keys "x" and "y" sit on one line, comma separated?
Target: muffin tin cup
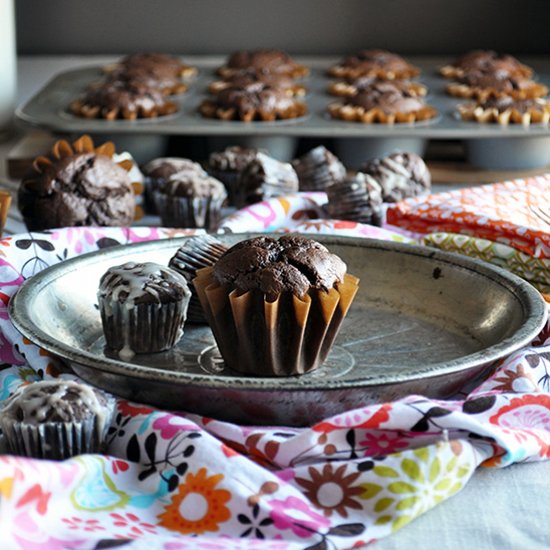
{"x": 58, "y": 440}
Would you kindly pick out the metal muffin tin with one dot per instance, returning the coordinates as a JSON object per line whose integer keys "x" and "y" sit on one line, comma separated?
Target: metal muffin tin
{"x": 487, "y": 145}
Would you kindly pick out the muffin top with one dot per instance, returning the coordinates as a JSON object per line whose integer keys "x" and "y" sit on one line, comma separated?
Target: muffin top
{"x": 160, "y": 64}
{"x": 232, "y": 159}
{"x": 164, "y": 167}
{"x": 318, "y": 163}
{"x": 388, "y": 97}
{"x": 272, "y": 266}
{"x": 70, "y": 188}
{"x": 255, "y": 96}
{"x": 134, "y": 284}
{"x": 263, "y": 60}
{"x": 489, "y": 61}
{"x": 521, "y": 105}
{"x": 55, "y": 401}
{"x": 376, "y": 58}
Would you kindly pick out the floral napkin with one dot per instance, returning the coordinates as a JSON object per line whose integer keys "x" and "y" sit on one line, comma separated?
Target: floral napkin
{"x": 174, "y": 480}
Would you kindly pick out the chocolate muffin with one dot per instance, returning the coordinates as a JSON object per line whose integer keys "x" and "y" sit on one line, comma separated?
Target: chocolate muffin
{"x": 385, "y": 103}
{"x": 157, "y": 171}
{"x": 56, "y": 419}
{"x": 507, "y": 110}
{"x": 318, "y": 169}
{"x": 351, "y": 86}
{"x": 266, "y": 177}
{"x": 143, "y": 308}
{"x": 487, "y": 61}
{"x": 77, "y": 185}
{"x": 400, "y": 175}
{"x": 257, "y": 101}
{"x": 357, "y": 198}
{"x": 119, "y": 99}
{"x": 228, "y": 165}
{"x": 377, "y": 63}
{"x": 190, "y": 199}
{"x": 275, "y": 306}
{"x": 196, "y": 253}
{"x": 263, "y": 60}
{"x": 151, "y": 77}
{"x": 252, "y": 76}
{"x": 161, "y": 64}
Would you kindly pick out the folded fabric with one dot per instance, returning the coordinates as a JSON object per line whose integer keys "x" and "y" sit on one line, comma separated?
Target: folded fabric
{"x": 534, "y": 270}
{"x": 512, "y": 213}
{"x": 174, "y": 480}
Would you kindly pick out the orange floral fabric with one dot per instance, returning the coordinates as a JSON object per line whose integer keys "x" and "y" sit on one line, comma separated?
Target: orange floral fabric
{"x": 510, "y": 212}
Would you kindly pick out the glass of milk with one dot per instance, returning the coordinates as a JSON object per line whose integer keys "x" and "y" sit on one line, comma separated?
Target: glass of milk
{"x": 8, "y": 72}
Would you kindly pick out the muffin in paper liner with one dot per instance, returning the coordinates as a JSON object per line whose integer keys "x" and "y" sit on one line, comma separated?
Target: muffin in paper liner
{"x": 196, "y": 253}
{"x": 352, "y": 86}
{"x": 284, "y": 334}
{"x": 143, "y": 308}
{"x": 506, "y": 110}
{"x": 56, "y": 419}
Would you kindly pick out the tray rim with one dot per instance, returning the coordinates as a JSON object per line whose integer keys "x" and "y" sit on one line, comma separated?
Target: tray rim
{"x": 534, "y": 306}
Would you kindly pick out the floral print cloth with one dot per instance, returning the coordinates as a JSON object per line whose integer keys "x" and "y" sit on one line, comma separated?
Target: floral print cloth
{"x": 515, "y": 213}
{"x": 174, "y": 480}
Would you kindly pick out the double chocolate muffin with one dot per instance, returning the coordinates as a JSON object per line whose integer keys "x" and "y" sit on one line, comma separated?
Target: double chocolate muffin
{"x": 262, "y": 60}
{"x": 385, "y": 103}
{"x": 56, "y": 419}
{"x": 252, "y": 76}
{"x": 264, "y": 178}
{"x": 159, "y": 64}
{"x": 356, "y": 198}
{"x": 275, "y": 305}
{"x": 143, "y": 308}
{"x": 351, "y": 86}
{"x": 256, "y": 101}
{"x": 400, "y": 175}
{"x": 77, "y": 185}
{"x": 318, "y": 169}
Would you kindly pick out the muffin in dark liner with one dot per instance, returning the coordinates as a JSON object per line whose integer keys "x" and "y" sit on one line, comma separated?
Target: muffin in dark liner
{"x": 56, "y": 419}
{"x": 196, "y": 253}
{"x": 318, "y": 169}
{"x": 228, "y": 165}
{"x": 143, "y": 308}
{"x": 275, "y": 306}
{"x": 357, "y": 198}
{"x": 189, "y": 199}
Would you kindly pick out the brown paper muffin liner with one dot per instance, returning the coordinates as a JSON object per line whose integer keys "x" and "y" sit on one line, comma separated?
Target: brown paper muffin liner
{"x": 456, "y": 72}
{"x": 210, "y": 109}
{"x": 191, "y": 212}
{"x": 533, "y": 90}
{"x": 59, "y": 440}
{"x": 285, "y": 337}
{"x": 145, "y": 328}
{"x": 343, "y": 88}
{"x": 354, "y": 113}
{"x": 478, "y": 113}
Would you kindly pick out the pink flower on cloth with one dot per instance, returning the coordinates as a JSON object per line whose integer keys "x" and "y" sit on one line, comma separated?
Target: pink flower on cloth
{"x": 170, "y": 424}
{"x": 298, "y": 516}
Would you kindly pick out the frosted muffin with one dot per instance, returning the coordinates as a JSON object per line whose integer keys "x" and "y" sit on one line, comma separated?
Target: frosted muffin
{"x": 119, "y": 99}
{"x": 264, "y": 60}
{"x": 400, "y": 176}
{"x": 356, "y": 198}
{"x": 258, "y": 101}
{"x": 266, "y": 177}
{"x": 228, "y": 165}
{"x": 167, "y": 83}
{"x": 351, "y": 86}
{"x": 376, "y": 63}
{"x": 317, "y": 169}
{"x": 481, "y": 86}
{"x": 190, "y": 199}
{"x": 194, "y": 254}
{"x": 77, "y": 185}
{"x": 56, "y": 419}
{"x": 160, "y": 64}
{"x": 487, "y": 61}
{"x": 249, "y": 77}
{"x": 382, "y": 103}
{"x": 143, "y": 308}
{"x": 507, "y": 110}
{"x": 275, "y": 306}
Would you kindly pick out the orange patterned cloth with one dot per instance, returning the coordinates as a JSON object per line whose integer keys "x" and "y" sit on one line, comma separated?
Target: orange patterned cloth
{"x": 511, "y": 212}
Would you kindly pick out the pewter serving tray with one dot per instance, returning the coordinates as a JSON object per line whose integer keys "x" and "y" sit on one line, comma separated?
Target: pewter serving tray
{"x": 48, "y": 108}
{"x": 423, "y": 321}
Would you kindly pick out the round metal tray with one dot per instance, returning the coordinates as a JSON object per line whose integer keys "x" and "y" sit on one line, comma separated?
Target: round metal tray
{"x": 423, "y": 321}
